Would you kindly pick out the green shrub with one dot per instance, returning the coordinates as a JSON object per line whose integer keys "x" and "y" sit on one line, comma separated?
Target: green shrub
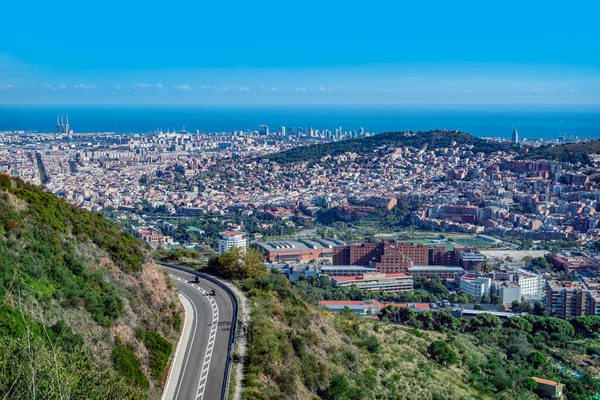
{"x": 160, "y": 351}
{"x": 442, "y": 353}
{"x": 128, "y": 365}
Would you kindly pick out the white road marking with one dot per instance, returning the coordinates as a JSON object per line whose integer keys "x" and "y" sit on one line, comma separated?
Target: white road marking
{"x": 211, "y": 341}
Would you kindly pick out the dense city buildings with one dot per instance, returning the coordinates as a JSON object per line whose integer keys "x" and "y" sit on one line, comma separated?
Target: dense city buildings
{"x": 154, "y": 183}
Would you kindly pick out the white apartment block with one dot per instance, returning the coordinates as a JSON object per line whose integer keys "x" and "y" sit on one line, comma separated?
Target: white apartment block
{"x": 474, "y": 285}
{"x": 229, "y": 239}
{"x": 529, "y": 284}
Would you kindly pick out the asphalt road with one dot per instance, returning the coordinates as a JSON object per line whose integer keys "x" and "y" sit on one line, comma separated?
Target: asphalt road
{"x": 205, "y": 353}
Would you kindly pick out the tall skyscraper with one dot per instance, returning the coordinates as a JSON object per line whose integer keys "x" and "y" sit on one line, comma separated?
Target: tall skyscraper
{"x": 515, "y": 136}
{"x": 263, "y": 130}
{"x": 282, "y": 131}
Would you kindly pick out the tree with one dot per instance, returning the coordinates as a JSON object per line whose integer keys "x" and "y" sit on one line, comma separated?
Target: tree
{"x": 518, "y": 307}
{"x": 235, "y": 264}
{"x": 338, "y": 388}
{"x": 442, "y": 320}
{"x": 586, "y": 326}
{"x": 519, "y": 323}
{"x": 485, "y": 321}
{"x": 442, "y": 353}
{"x": 539, "y": 308}
{"x": 536, "y": 359}
{"x": 397, "y": 315}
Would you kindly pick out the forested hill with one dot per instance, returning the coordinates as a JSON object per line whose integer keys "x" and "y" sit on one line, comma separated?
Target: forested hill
{"x": 434, "y": 139}
{"x": 571, "y": 152}
{"x": 79, "y": 290}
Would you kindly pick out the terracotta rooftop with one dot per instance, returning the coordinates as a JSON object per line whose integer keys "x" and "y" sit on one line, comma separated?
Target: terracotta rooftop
{"x": 546, "y": 381}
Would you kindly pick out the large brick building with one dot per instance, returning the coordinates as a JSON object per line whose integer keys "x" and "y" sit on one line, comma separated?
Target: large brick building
{"x": 301, "y": 250}
{"x": 391, "y": 256}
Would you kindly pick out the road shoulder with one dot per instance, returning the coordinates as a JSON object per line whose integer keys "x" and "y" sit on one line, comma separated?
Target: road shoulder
{"x": 178, "y": 357}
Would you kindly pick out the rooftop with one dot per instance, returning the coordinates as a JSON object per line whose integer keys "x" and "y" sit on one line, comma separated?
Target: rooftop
{"x": 303, "y": 244}
{"x": 546, "y": 381}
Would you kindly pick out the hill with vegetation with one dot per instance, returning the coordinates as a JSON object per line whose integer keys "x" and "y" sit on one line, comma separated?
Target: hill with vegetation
{"x": 83, "y": 312}
{"x": 299, "y": 351}
{"x": 570, "y": 152}
{"x": 437, "y": 139}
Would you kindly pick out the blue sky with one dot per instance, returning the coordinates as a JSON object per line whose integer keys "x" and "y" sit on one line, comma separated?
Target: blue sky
{"x": 309, "y": 52}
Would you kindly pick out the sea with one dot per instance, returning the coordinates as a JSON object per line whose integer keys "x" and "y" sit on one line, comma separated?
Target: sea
{"x": 532, "y": 122}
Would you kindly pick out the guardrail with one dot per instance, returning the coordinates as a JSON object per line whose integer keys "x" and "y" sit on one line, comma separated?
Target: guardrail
{"x": 234, "y": 319}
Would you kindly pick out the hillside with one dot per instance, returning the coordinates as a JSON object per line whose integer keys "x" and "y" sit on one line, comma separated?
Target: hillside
{"x": 571, "y": 152}
{"x": 434, "y": 139}
{"x": 83, "y": 313}
{"x": 299, "y": 351}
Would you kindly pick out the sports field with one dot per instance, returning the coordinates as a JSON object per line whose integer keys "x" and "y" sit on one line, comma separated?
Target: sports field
{"x": 472, "y": 242}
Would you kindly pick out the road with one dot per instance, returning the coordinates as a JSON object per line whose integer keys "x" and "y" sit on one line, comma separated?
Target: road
{"x": 200, "y": 362}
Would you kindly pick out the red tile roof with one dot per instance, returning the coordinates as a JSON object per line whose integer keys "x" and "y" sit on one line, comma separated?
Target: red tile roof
{"x": 546, "y": 381}
{"x": 232, "y": 233}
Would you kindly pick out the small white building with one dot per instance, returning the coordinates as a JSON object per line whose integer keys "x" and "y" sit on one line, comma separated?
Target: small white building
{"x": 475, "y": 285}
{"x": 229, "y": 239}
{"x": 529, "y": 284}
{"x": 508, "y": 291}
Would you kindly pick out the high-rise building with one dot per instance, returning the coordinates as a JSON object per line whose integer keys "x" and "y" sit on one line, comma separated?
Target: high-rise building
{"x": 567, "y": 299}
{"x": 282, "y": 131}
{"x": 229, "y": 239}
{"x": 263, "y": 130}
{"x": 515, "y": 136}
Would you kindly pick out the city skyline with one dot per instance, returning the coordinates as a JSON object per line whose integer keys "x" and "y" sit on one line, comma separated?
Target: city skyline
{"x": 327, "y": 54}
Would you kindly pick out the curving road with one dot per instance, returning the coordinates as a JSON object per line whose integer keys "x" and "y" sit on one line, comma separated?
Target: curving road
{"x": 199, "y": 365}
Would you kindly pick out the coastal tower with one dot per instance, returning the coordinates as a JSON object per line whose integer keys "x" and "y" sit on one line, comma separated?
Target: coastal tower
{"x": 515, "y": 136}
{"x": 67, "y": 127}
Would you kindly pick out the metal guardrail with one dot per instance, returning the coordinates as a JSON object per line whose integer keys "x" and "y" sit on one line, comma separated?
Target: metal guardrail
{"x": 234, "y": 319}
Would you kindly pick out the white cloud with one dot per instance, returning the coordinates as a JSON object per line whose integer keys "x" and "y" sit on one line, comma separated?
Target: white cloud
{"x": 49, "y": 86}
{"x": 244, "y": 89}
{"x": 141, "y": 86}
{"x": 84, "y": 86}
{"x": 118, "y": 87}
{"x": 159, "y": 85}
{"x": 301, "y": 89}
{"x": 5, "y": 87}
{"x": 184, "y": 87}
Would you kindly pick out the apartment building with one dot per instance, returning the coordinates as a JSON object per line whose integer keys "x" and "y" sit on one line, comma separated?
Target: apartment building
{"x": 567, "y": 299}
{"x": 529, "y": 284}
{"x": 475, "y": 285}
{"x": 153, "y": 237}
{"x": 229, "y": 239}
